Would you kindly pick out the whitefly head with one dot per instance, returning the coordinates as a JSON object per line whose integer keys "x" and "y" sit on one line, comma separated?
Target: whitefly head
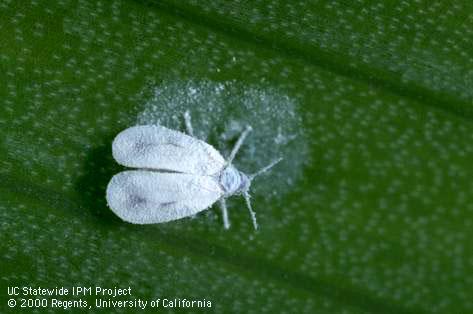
{"x": 234, "y": 181}
{"x": 237, "y": 182}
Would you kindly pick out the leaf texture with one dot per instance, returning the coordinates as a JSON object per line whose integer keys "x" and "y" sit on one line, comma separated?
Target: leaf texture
{"x": 370, "y": 103}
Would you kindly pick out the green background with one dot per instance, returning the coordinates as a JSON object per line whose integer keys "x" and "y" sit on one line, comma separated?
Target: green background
{"x": 379, "y": 222}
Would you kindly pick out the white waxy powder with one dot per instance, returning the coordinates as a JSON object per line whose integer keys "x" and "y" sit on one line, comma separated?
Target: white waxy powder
{"x": 221, "y": 110}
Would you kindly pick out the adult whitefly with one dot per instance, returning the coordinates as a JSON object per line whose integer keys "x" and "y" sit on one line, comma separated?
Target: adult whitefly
{"x": 179, "y": 175}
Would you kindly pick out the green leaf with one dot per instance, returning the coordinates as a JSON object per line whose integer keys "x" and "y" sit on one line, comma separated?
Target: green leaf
{"x": 370, "y": 104}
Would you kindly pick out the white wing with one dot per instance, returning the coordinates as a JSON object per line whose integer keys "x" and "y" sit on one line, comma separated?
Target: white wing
{"x": 156, "y": 147}
{"x": 146, "y": 197}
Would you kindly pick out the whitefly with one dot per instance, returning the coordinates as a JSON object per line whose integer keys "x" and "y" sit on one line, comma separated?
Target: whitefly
{"x": 175, "y": 176}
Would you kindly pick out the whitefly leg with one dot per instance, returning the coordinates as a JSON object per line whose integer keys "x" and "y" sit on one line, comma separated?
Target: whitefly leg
{"x": 238, "y": 144}
{"x": 187, "y": 121}
{"x": 223, "y": 207}
{"x": 247, "y": 197}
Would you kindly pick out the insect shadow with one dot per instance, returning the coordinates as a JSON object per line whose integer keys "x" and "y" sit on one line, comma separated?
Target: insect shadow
{"x": 99, "y": 166}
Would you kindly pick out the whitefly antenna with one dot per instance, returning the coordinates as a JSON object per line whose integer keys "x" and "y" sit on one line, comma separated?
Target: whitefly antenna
{"x": 238, "y": 144}
{"x": 247, "y": 195}
{"x": 264, "y": 169}
{"x": 252, "y": 213}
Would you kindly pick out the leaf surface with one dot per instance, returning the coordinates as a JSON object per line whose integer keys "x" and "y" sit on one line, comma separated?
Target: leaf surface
{"x": 370, "y": 104}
